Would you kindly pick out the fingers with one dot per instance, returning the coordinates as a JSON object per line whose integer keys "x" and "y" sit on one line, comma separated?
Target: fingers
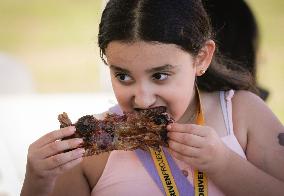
{"x": 47, "y": 157}
{"x": 184, "y": 150}
{"x": 60, "y": 160}
{"x": 59, "y": 146}
{"x": 183, "y": 158}
{"x": 53, "y": 136}
{"x": 188, "y": 128}
{"x": 187, "y": 139}
{"x": 188, "y": 134}
{"x": 68, "y": 165}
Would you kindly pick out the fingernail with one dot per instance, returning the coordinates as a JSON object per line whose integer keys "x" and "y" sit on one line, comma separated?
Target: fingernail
{"x": 78, "y": 141}
{"x": 169, "y": 127}
{"x": 72, "y": 129}
{"x": 81, "y": 151}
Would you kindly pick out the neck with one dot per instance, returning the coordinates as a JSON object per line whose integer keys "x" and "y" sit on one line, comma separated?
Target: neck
{"x": 190, "y": 113}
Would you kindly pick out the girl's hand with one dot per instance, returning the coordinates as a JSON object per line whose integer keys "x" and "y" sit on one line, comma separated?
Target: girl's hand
{"x": 198, "y": 146}
{"x": 47, "y": 158}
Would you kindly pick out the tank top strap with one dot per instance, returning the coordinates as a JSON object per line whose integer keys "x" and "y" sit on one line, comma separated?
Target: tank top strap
{"x": 226, "y": 105}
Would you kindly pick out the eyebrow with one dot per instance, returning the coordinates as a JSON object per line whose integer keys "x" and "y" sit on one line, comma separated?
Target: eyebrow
{"x": 166, "y": 67}
{"x": 117, "y": 68}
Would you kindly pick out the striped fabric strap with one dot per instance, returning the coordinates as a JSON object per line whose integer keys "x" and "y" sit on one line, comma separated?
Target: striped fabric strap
{"x": 166, "y": 174}
{"x": 200, "y": 179}
{"x": 164, "y": 171}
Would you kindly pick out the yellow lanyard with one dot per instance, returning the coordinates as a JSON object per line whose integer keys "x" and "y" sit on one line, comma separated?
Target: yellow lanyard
{"x": 164, "y": 171}
{"x": 200, "y": 179}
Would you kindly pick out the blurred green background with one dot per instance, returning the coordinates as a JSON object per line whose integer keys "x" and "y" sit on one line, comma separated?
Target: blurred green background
{"x": 270, "y": 17}
{"x": 57, "y": 40}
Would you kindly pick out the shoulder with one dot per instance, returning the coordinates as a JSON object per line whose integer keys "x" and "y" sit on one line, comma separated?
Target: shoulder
{"x": 244, "y": 97}
{"x": 245, "y": 103}
{"x": 262, "y": 128}
{"x": 251, "y": 115}
{"x": 251, "y": 111}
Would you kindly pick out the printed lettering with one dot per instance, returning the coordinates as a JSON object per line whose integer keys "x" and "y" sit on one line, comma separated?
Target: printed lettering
{"x": 163, "y": 167}
{"x": 168, "y": 182}
{"x": 170, "y": 188}
{"x": 200, "y": 175}
{"x": 157, "y": 152}
{"x": 159, "y": 157}
{"x": 162, "y": 164}
{"x": 167, "y": 178}
{"x": 172, "y": 192}
{"x": 200, "y": 186}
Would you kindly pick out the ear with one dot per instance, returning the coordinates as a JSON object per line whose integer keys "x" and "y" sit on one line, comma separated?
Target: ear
{"x": 204, "y": 57}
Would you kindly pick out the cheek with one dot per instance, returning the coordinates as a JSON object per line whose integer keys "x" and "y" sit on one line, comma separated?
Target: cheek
{"x": 179, "y": 96}
{"x": 122, "y": 94}
{"x": 179, "y": 101}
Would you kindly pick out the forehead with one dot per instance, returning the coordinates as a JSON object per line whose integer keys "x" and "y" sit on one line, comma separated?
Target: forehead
{"x": 146, "y": 54}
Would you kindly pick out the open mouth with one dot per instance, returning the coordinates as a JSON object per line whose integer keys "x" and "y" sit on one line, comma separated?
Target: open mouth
{"x": 153, "y": 108}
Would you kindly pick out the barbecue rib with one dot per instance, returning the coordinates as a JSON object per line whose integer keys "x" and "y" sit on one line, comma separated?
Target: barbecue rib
{"x": 142, "y": 128}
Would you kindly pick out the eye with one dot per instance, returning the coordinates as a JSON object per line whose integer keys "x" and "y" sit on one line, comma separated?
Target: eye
{"x": 123, "y": 77}
{"x": 160, "y": 76}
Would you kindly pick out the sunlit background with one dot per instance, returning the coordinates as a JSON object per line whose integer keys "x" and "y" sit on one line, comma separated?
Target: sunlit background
{"x": 49, "y": 63}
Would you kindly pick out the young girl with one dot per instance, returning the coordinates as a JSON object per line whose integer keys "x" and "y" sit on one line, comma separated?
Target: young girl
{"x": 159, "y": 54}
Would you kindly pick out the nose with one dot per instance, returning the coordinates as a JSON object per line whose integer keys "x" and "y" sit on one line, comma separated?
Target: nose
{"x": 144, "y": 97}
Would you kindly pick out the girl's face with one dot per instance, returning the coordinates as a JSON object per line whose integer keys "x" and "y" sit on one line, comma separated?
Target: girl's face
{"x": 146, "y": 75}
